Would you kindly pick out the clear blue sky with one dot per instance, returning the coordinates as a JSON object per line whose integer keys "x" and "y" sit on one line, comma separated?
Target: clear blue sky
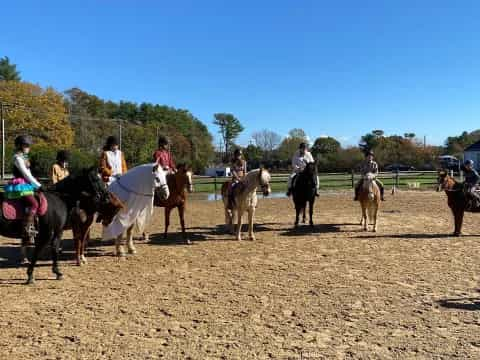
{"x": 339, "y": 68}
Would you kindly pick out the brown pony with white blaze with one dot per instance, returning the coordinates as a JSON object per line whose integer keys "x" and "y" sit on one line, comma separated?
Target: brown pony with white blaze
{"x": 180, "y": 184}
{"x": 245, "y": 200}
{"x": 457, "y": 200}
{"x": 369, "y": 197}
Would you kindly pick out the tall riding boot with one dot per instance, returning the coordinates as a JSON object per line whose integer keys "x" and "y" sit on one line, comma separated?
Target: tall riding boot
{"x": 357, "y": 190}
{"x": 382, "y": 193}
{"x": 29, "y": 229}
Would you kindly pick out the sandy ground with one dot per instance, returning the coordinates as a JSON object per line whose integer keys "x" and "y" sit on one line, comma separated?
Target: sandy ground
{"x": 410, "y": 291}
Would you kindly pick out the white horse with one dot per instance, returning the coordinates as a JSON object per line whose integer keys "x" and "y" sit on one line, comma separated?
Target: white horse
{"x": 136, "y": 189}
{"x": 369, "y": 197}
{"x": 245, "y": 199}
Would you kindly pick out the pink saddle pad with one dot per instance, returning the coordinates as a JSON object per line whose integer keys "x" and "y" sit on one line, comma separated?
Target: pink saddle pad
{"x": 15, "y": 209}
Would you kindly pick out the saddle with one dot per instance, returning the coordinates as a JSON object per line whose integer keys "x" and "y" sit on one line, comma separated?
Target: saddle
{"x": 14, "y": 209}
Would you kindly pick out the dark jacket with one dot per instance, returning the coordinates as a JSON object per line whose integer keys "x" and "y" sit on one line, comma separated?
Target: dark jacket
{"x": 472, "y": 178}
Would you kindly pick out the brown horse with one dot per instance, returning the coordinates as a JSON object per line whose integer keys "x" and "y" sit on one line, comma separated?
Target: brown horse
{"x": 180, "y": 184}
{"x": 457, "y": 200}
{"x": 369, "y": 197}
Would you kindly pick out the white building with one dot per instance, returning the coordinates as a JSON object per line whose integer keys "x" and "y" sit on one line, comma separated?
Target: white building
{"x": 473, "y": 153}
{"x": 218, "y": 171}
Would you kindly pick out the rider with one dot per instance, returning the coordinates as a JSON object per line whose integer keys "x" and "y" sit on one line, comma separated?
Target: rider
{"x": 60, "y": 168}
{"x": 300, "y": 159}
{"x": 369, "y": 165}
{"x": 112, "y": 161}
{"x": 472, "y": 179}
{"x": 163, "y": 156}
{"x": 238, "y": 170}
{"x": 24, "y": 184}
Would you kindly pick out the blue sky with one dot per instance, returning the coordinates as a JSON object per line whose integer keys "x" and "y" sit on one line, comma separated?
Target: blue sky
{"x": 338, "y": 68}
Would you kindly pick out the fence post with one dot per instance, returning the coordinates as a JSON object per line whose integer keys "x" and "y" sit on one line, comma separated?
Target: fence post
{"x": 215, "y": 186}
{"x": 353, "y": 179}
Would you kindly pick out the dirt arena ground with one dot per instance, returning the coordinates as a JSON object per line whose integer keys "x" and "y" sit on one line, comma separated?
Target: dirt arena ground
{"x": 409, "y": 291}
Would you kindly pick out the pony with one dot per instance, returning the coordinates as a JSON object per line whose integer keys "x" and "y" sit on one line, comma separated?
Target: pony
{"x": 303, "y": 192}
{"x": 245, "y": 199}
{"x": 61, "y": 200}
{"x": 136, "y": 189}
{"x": 457, "y": 199}
{"x": 180, "y": 184}
{"x": 369, "y": 197}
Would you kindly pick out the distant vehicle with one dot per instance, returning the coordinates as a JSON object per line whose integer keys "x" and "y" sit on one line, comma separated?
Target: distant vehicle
{"x": 449, "y": 162}
{"x": 399, "y": 167}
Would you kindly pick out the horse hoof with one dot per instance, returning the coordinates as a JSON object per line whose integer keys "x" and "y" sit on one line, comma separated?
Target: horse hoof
{"x": 30, "y": 281}
{"x": 132, "y": 251}
{"x": 188, "y": 242}
{"x": 59, "y": 276}
{"x": 24, "y": 262}
{"x": 456, "y": 234}
{"x": 252, "y": 238}
{"x": 311, "y": 224}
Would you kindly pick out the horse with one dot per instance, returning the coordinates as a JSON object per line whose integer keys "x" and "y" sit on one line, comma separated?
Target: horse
{"x": 457, "y": 199}
{"x": 51, "y": 224}
{"x": 82, "y": 218}
{"x": 179, "y": 184}
{"x": 303, "y": 192}
{"x": 369, "y": 197}
{"x": 136, "y": 189}
{"x": 245, "y": 199}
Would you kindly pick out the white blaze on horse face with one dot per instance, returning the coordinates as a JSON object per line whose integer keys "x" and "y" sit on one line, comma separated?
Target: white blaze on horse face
{"x": 160, "y": 181}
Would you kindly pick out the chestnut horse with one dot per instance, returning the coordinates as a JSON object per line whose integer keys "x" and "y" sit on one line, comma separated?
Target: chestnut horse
{"x": 369, "y": 197}
{"x": 457, "y": 200}
{"x": 180, "y": 184}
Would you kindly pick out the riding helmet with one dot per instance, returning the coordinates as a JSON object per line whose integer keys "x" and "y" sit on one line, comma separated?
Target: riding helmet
{"x": 369, "y": 152}
{"x": 163, "y": 140}
{"x": 302, "y": 145}
{"x": 112, "y": 141}
{"x": 62, "y": 156}
{"x": 469, "y": 163}
{"x": 23, "y": 140}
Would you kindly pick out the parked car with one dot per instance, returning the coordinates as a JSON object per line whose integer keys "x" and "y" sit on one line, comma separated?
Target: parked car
{"x": 399, "y": 167}
{"x": 449, "y": 162}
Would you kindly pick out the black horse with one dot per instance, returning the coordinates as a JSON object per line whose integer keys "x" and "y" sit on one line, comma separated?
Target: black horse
{"x": 62, "y": 198}
{"x": 304, "y": 190}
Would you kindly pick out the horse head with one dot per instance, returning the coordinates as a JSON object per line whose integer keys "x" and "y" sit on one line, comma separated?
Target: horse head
{"x": 186, "y": 174}
{"x": 264, "y": 181}
{"x": 368, "y": 181}
{"x": 444, "y": 181}
{"x": 160, "y": 182}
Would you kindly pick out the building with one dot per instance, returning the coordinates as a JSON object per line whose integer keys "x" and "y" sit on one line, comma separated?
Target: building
{"x": 218, "y": 171}
{"x": 473, "y": 153}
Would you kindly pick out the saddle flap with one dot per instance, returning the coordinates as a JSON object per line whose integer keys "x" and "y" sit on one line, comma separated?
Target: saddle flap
{"x": 14, "y": 209}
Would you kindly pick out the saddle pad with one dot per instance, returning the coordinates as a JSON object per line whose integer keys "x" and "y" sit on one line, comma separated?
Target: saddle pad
{"x": 15, "y": 209}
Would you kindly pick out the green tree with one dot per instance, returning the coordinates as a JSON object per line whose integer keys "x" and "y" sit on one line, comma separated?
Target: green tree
{"x": 298, "y": 133}
{"x": 8, "y": 71}
{"x": 324, "y": 146}
{"x": 229, "y": 129}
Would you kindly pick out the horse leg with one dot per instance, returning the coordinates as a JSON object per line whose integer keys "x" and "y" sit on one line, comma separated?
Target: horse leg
{"x": 239, "y": 224}
{"x": 310, "y": 209}
{"x": 39, "y": 245}
{"x": 55, "y": 248}
{"x": 373, "y": 217}
{"x": 119, "y": 249}
{"x": 167, "y": 221}
{"x": 364, "y": 218}
{"x": 297, "y": 215}
{"x": 86, "y": 238}
{"x": 251, "y": 214}
{"x": 146, "y": 236}
{"x": 130, "y": 246}
{"x": 181, "y": 214}
{"x": 23, "y": 252}
{"x": 304, "y": 210}
{"x": 233, "y": 216}
{"x": 458, "y": 215}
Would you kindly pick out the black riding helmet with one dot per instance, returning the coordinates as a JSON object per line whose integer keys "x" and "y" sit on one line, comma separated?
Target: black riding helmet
{"x": 302, "y": 146}
{"x": 23, "y": 140}
{"x": 162, "y": 141}
{"x": 369, "y": 152}
{"x": 111, "y": 141}
{"x": 62, "y": 156}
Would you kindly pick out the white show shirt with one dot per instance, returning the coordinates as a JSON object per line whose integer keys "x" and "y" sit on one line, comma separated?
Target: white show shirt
{"x": 19, "y": 162}
{"x": 299, "y": 161}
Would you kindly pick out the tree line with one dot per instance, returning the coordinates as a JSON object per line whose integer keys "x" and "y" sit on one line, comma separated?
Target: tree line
{"x": 80, "y": 122}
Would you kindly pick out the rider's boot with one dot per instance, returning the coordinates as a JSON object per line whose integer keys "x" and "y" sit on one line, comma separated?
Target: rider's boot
{"x": 356, "y": 194}
{"x": 382, "y": 193}
{"x": 289, "y": 191}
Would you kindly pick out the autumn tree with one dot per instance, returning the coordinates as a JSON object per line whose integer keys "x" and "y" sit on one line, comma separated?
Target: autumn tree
{"x": 8, "y": 71}
{"x": 41, "y": 113}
